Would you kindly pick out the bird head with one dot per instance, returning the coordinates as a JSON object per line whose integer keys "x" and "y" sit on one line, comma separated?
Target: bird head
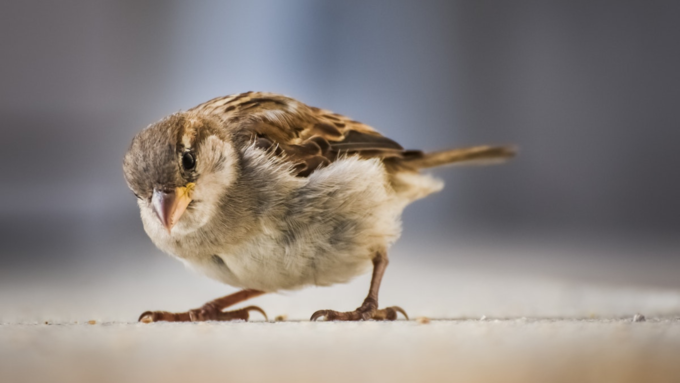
{"x": 179, "y": 168}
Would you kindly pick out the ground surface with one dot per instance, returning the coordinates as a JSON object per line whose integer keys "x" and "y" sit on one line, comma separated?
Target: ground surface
{"x": 518, "y": 321}
{"x": 505, "y": 350}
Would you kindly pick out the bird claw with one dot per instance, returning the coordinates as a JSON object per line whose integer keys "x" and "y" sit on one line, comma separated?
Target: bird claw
{"x": 389, "y": 313}
{"x": 162, "y": 316}
{"x": 231, "y": 315}
{"x": 146, "y": 317}
{"x": 331, "y": 315}
{"x": 206, "y": 313}
{"x": 362, "y": 313}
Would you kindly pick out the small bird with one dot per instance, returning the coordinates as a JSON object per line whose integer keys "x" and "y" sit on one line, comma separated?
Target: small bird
{"x": 265, "y": 193}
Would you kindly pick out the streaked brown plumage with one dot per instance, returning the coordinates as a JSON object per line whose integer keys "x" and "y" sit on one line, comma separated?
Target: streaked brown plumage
{"x": 278, "y": 195}
{"x": 312, "y": 137}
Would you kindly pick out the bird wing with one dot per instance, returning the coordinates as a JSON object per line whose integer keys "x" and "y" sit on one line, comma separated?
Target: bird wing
{"x": 309, "y": 137}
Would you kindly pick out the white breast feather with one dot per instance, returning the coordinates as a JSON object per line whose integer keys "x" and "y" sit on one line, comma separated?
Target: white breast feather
{"x": 324, "y": 229}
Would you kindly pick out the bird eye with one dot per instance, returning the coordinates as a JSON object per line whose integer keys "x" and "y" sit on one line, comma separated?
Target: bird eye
{"x": 188, "y": 161}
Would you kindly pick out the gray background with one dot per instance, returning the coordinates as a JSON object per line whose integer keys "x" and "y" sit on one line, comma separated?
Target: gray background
{"x": 588, "y": 90}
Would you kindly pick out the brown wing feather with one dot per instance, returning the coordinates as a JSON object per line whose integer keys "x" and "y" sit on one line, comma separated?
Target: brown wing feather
{"x": 309, "y": 137}
{"x": 312, "y": 138}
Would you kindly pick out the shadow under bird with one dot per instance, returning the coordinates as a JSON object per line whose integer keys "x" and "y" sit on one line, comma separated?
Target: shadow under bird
{"x": 264, "y": 193}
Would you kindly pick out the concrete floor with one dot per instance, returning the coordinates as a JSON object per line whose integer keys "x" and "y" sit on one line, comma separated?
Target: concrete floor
{"x": 489, "y": 321}
{"x": 517, "y": 350}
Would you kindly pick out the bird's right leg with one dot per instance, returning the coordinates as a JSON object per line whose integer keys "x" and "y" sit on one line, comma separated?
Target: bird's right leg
{"x": 209, "y": 311}
{"x": 368, "y": 309}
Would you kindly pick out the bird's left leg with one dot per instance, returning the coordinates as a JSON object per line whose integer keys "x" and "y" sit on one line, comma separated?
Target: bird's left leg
{"x": 369, "y": 309}
{"x": 209, "y": 311}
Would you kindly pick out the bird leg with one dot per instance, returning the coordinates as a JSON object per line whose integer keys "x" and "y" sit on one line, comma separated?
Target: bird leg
{"x": 368, "y": 309}
{"x": 209, "y": 311}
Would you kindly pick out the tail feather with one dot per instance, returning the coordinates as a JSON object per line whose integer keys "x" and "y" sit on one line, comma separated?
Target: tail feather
{"x": 477, "y": 155}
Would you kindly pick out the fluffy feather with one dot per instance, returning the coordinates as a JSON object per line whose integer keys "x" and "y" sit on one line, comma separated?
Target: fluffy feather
{"x": 286, "y": 195}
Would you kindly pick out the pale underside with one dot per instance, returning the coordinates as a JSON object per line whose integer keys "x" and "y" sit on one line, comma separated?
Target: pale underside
{"x": 325, "y": 229}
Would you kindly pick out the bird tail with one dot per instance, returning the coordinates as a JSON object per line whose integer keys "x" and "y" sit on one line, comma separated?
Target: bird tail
{"x": 477, "y": 155}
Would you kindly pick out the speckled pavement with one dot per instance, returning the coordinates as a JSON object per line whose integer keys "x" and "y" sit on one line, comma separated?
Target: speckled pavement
{"x": 469, "y": 323}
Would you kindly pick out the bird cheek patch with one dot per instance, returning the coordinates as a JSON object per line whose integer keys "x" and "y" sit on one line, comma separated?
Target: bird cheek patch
{"x": 217, "y": 155}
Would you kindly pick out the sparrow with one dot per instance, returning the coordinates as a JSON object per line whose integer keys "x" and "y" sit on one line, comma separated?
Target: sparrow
{"x": 265, "y": 193}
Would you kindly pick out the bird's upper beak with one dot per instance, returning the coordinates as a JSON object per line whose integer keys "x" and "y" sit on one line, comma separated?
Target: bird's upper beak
{"x": 170, "y": 205}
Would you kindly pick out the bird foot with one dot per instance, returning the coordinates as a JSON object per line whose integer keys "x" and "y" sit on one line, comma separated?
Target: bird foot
{"x": 365, "y": 312}
{"x": 207, "y": 312}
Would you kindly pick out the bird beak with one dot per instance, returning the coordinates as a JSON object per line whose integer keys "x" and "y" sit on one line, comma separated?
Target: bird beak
{"x": 170, "y": 205}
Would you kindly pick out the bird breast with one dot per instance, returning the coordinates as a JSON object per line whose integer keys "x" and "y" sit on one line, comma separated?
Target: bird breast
{"x": 324, "y": 229}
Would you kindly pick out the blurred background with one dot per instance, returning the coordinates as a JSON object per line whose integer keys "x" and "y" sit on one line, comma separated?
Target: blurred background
{"x": 588, "y": 90}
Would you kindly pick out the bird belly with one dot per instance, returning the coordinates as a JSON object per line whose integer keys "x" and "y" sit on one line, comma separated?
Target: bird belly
{"x": 329, "y": 232}
{"x": 270, "y": 267}
{"x": 324, "y": 232}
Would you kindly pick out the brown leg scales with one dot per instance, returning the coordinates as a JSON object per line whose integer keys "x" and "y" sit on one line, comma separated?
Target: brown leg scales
{"x": 369, "y": 309}
{"x": 211, "y": 311}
